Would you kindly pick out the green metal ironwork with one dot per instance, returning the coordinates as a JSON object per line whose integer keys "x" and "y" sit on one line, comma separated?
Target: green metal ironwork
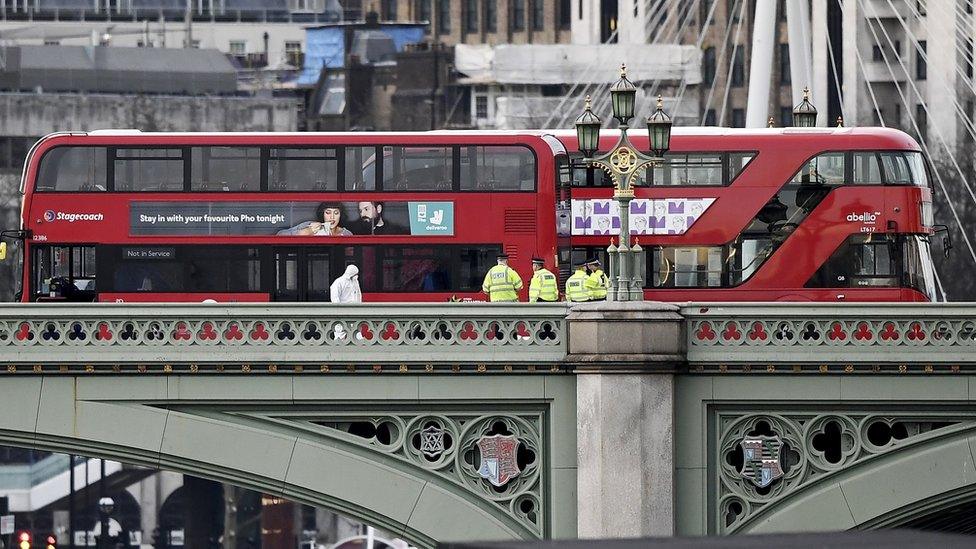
{"x": 291, "y": 435}
{"x": 283, "y": 334}
{"x": 795, "y": 333}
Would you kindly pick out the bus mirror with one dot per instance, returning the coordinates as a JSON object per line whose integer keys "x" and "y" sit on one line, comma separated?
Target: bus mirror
{"x": 946, "y": 238}
{"x": 3, "y": 251}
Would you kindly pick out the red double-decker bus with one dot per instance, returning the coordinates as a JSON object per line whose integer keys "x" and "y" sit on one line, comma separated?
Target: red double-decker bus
{"x": 791, "y": 214}
{"x": 131, "y": 216}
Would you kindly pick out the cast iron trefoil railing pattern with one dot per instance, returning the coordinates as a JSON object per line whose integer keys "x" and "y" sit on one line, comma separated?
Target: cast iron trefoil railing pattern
{"x": 839, "y": 333}
{"x": 312, "y": 333}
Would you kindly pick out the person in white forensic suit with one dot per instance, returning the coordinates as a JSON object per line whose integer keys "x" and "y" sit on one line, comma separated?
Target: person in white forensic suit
{"x": 345, "y": 289}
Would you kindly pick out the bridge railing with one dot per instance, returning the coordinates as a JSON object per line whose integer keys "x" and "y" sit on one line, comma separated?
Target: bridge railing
{"x": 414, "y": 333}
{"x": 836, "y": 333}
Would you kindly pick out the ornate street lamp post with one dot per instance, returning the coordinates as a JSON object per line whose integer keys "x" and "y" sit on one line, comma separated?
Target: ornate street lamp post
{"x": 624, "y": 163}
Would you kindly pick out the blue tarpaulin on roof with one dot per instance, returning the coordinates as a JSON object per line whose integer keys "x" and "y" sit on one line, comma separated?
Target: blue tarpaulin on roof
{"x": 325, "y": 48}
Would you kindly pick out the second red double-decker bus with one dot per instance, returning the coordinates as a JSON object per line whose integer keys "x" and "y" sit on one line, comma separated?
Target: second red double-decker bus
{"x": 760, "y": 215}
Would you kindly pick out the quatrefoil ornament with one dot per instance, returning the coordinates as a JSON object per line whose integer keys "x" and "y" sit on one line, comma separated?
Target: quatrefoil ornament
{"x": 623, "y": 160}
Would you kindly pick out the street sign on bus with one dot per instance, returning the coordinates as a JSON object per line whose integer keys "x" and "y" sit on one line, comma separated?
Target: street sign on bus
{"x": 6, "y": 524}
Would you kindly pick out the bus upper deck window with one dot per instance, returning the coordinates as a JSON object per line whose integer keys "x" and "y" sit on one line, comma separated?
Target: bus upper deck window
{"x": 226, "y": 169}
{"x": 501, "y": 168}
{"x": 360, "y": 169}
{"x": 823, "y": 169}
{"x": 312, "y": 169}
{"x": 418, "y": 168}
{"x": 917, "y": 166}
{"x": 867, "y": 168}
{"x": 149, "y": 170}
{"x": 896, "y": 167}
{"x": 73, "y": 169}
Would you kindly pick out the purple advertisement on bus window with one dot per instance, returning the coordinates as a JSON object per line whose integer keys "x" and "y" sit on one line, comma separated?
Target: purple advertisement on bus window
{"x": 601, "y": 216}
{"x": 336, "y": 219}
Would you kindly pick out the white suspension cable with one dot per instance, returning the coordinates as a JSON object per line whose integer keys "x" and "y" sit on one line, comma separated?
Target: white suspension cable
{"x": 728, "y": 75}
{"x": 718, "y": 60}
{"x": 924, "y": 142}
{"x": 967, "y": 123}
{"x": 911, "y": 82}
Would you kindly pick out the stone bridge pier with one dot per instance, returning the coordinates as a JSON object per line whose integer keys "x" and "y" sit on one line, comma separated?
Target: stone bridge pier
{"x": 625, "y": 355}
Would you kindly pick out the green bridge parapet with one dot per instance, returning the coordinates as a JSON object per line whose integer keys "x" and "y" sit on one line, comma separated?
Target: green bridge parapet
{"x": 97, "y": 334}
{"x": 485, "y": 336}
{"x": 825, "y": 334}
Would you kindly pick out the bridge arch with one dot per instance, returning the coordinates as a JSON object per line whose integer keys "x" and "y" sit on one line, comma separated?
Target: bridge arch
{"x": 905, "y": 484}
{"x": 142, "y": 421}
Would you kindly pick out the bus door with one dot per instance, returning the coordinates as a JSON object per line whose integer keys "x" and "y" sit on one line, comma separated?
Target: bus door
{"x": 301, "y": 273}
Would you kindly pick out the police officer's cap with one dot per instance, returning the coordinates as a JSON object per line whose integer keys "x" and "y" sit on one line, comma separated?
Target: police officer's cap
{"x": 593, "y": 261}
{"x": 538, "y": 260}
{"x": 579, "y": 264}
{"x": 502, "y": 256}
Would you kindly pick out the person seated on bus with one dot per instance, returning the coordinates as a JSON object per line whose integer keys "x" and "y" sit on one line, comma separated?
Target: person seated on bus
{"x": 327, "y": 222}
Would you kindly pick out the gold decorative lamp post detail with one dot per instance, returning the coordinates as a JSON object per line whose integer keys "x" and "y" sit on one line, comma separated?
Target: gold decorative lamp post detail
{"x": 624, "y": 163}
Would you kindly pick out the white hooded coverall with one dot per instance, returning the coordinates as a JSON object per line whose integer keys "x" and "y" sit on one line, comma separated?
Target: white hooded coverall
{"x": 345, "y": 289}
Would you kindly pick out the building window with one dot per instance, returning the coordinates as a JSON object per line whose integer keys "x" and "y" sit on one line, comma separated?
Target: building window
{"x": 238, "y": 47}
{"x": 481, "y": 107}
{"x": 897, "y": 47}
{"x": 538, "y": 15}
{"x": 708, "y": 65}
{"x": 423, "y": 10}
{"x": 921, "y": 69}
{"x": 565, "y": 13}
{"x": 784, "y": 63}
{"x": 491, "y": 16}
{"x": 304, "y": 5}
{"x": 739, "y": 68}
{"x": 923, "y": 121}
{"x": 876, "y": 53}
{"x": 389, "y": 9}
{"x": 293, "y": 54}
{"x": 518, "y": 15}
{"x": 471, "y": 16}
{"x": 731, "y": 12}
{"x": 920, "y": 7}
{"x": 710, "y": 119}
{"x": 444, "y": 16}
{"x": 738, "y": 118}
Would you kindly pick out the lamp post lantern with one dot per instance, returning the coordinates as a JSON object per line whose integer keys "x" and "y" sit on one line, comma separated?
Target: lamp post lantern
{"x": 624, "y": 163}
{"x": 805, "y": 114}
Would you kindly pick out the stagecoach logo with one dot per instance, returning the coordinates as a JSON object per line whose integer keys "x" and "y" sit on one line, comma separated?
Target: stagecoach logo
{"x": 498, "y": 459}
{"x": 51, "y": 215}
{"x": 761, "y": 459}
{"x": 864, "y": 217}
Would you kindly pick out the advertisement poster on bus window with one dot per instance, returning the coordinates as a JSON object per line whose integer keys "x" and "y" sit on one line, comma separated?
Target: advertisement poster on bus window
{"x": 286, "y": 219}
{"x": 601, "y": 216}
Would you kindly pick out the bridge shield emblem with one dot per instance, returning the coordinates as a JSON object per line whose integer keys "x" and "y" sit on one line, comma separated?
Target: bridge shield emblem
{"x": 761, "y": 457}
{"x": 498, "y": 459}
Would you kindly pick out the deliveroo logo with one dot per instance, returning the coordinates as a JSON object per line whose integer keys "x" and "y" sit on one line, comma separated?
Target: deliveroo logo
{"x": 431, "y": 218}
